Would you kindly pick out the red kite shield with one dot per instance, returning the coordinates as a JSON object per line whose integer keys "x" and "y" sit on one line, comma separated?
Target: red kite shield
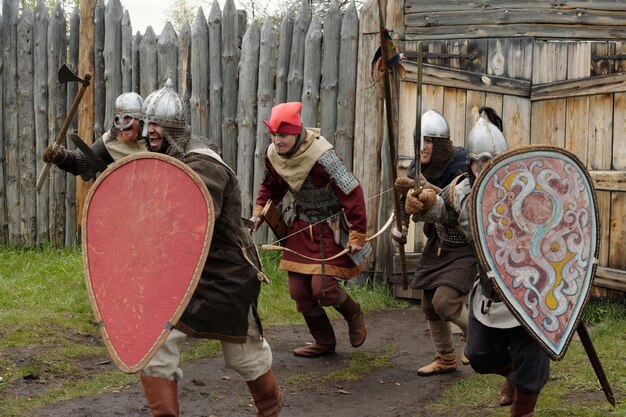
{"x": 535, "y": 224}
{"x": 147, "y": 227}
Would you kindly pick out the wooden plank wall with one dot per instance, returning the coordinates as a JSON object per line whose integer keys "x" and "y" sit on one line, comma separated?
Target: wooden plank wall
{"x": 576, "y": 19}
{"x": 563, "y": 93}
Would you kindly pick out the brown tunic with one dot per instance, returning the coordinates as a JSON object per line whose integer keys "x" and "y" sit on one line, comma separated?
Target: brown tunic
{"x": 229, "y": 285}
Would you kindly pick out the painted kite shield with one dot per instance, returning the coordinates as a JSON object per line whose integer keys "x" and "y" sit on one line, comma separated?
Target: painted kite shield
{"x": 147, "y": 227}
{"x": 535, "y": 225}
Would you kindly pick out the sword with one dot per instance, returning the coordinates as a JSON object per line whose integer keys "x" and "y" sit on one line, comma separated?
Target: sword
{"x": 418, "y": 141}
{"x": 93, "y": 158}
{"x": 65, "y": 75}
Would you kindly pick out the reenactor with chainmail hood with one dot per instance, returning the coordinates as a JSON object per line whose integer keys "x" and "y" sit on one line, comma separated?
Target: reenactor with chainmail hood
{"x": 447, "y": 267}
{"x": 329, "y": 216}
{"x": 496, "y": 342}
{"x": 224, "y": 304}
{"x": 123, "y": 139}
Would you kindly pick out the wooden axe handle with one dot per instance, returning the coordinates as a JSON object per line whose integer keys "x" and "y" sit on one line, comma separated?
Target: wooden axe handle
{"x": 68, "y": 119}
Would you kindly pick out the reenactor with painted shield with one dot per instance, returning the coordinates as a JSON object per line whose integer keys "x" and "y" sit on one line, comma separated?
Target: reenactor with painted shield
{"x": 496, "y": 342}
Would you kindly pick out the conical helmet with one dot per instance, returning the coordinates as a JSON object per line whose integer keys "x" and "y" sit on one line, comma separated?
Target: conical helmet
{"x": 164, "y": 107}
{"x": 485, "y": 141}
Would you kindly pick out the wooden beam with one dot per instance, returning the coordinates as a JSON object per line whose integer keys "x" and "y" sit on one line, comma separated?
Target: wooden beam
{"x": 542, "y": 31}
{"x": 609, "y": 180}
{"x": 603, "y": 84}
{"x": 448, "y": 77}
{"x": 411, "y": 6}
{"x": 507, "y": 16}
{"x": 613, "y": 279}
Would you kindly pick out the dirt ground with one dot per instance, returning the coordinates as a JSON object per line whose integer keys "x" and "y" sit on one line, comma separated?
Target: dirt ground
{"x": 394, "y": 390}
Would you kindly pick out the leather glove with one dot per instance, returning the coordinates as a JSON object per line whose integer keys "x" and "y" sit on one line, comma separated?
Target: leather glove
{"x": 54, "y": 154}
{"x": 418, "y": 204}
{"x": 398, "y": 238}
{"x": 403, "y": 184}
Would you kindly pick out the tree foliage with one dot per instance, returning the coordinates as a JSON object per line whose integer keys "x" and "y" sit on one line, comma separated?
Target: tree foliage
{"x": 67, "y": 5}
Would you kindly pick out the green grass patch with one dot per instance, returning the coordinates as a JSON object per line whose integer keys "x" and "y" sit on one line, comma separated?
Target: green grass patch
{"x": 47, "y": 327}
{"x": 573, "y": 388}
{"x": 358, "y": 366}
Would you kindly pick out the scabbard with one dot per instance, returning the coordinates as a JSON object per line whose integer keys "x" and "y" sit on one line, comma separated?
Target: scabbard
{"x": 91, "y": 156}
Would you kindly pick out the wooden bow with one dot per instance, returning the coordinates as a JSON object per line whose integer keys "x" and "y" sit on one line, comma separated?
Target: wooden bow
{"x": 343, "y": 252}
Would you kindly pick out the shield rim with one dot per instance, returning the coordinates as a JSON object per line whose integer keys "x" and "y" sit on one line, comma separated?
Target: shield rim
{"x": 474, "y": 204}
{"x": 119, "y": 362}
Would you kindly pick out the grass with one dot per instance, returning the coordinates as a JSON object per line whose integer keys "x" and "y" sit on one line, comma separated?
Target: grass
{"x": 47, "y": 332}
{"x": 47, "y": 327}
{"x": 573, "y": 389}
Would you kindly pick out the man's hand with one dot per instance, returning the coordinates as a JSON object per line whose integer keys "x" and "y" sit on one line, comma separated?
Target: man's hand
{"x": 404, "y": 184}
{"x": 54, "y": 154}
{"x": 354, "y": 248}
{"x": 419, "y": 203}
{"x": 398, "y": 238}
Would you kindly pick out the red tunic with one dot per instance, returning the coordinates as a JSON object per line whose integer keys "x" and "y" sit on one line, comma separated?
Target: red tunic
{"x": 305, "y": 239}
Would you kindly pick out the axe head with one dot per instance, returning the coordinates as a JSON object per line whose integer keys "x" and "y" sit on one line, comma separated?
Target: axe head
{"x": 66, "y": 75}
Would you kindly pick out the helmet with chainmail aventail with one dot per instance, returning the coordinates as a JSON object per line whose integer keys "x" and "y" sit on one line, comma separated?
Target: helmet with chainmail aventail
{"x": 167, "y": 109}
{"x": 435, "y": 126}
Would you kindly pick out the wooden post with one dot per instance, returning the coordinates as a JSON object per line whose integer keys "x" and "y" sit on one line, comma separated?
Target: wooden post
{"x": 346, "y": 91}
{"x": 87, "y": 104}
{"x": 148, "y": 63}
{"x": 184, "y": 67}
{"x": 57, "y": 54}
{"x": 296, "y": 60}
{"x": 230, "y": 92}
{"x": 71, "y": 228}
{"x": 265, "y": 93}
{"x": 330, "y": 72}
{"x": 99, "y": 89}
{"x": 26, "y": 128}
{"x": 215, "y": 75}
{"x": 112, "y": 58}
{"x": 136, "y": 73}
{"x": 311, "y": 78}
{"x": 247, "y": 112}
{"x": 127, "y": 50}
{"x": 284, "y": 54}
{"x": 40, "y": 49}
{"x": 167, "y": 57}
{"x": 199, "y": 101}
{"x": 10, "y": 115}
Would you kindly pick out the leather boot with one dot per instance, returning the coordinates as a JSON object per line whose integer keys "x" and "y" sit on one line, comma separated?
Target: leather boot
{"x": 445, "y": 361}
{"x": 523, "y": 404}
{"x": 162, "y": 396}
{"x": 351, "y": 311}
{"x": 322, "y": 331}
{"x": 507, "y": 393}
{"x": 441, "y": 365}
{"x": 267, "y": 395}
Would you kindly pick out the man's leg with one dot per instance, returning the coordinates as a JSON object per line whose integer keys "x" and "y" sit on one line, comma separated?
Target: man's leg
{"x": 441, "y": 336}
{"x": 300, "y": 289}
{"x": 253, "y": 361}
{"x": 159, "y": 377}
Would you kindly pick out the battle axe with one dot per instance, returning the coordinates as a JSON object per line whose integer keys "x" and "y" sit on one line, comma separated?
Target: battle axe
{"x": 65, "y": 75}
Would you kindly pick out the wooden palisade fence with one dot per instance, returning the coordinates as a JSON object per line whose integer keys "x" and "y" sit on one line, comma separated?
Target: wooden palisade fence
{"x": 555, "y": 72}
